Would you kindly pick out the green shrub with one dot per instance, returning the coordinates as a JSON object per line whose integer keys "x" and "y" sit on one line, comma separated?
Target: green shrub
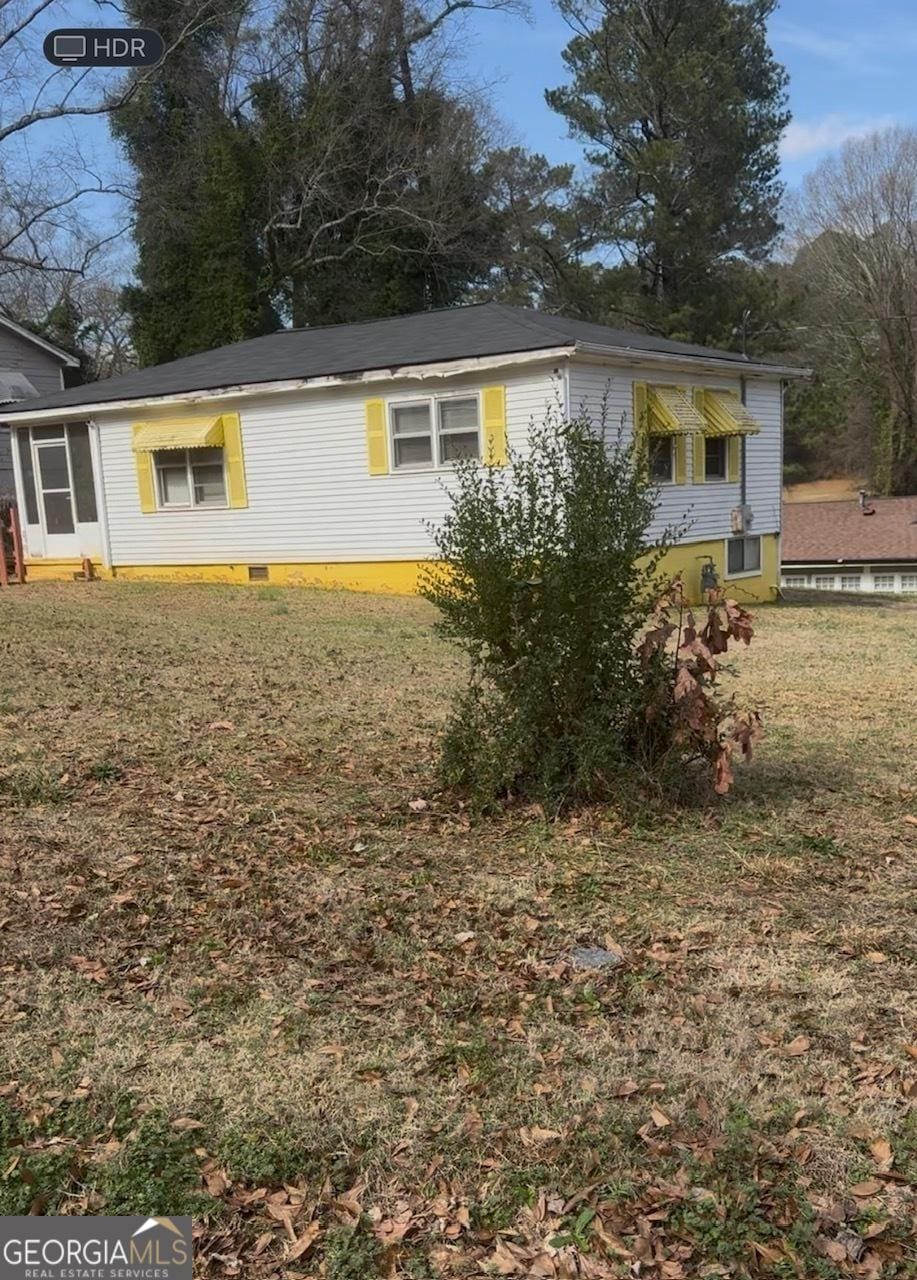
{"x": 581, "y": 687}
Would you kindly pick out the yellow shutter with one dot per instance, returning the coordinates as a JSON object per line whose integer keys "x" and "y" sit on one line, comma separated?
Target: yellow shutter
{"x": 641, "y": 428}
{"x": 146, "y": 484}
{"x": 700, "y": 447}
{"x": 733, "y": 458}
{"x": 495, "y": 450}
{"x": 681, "y": 459}
{"x": 700, "y": 460}
{"x": 640, "y": 409}
{"x": 376, "y": 443}
{"x": 237, "y": 492}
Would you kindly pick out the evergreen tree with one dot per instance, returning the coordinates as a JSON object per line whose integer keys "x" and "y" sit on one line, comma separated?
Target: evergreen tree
{"x": 201, "y": 280}
{"x": 681, "y": 105}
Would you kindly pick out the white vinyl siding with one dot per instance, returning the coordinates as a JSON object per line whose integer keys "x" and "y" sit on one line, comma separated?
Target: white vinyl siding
{"x": 706, "y": 506}
{"x": 311, "y": 498}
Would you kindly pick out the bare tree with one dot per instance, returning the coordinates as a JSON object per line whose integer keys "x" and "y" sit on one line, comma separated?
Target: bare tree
{"x": 370, "y": 153}
{"x": 46, "y": 182}
{"x": 857, "y": 227}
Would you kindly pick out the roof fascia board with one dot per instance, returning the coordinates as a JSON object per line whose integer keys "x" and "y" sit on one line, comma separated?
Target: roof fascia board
{"x": 670, "y": 360}
{"x": 418, "y": 373}
{"x": 841, "y": 560}
{"x": 29, "y": 336}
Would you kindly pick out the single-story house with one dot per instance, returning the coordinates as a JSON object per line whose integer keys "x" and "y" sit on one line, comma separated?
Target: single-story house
{"x": 29, "y": 366}
{"x": 868, "y": 545}
{"x": 316, "y": 455}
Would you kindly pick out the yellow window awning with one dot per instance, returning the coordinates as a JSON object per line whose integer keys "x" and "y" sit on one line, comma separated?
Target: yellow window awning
{"x": 726, "y": 415}
{"x": 178, "y": 433}
{"x": 671, "y": 412}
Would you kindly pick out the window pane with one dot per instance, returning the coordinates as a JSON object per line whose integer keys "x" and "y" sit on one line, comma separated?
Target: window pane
{"x": 52, "y": 466}
{"x": 47, "y": 433}
{"x": 909, "y": 582}
{"x": 715, "y": 464}
{"x": 209, "y": 489}
{"x": 58, "y": 513}
{"x": 414, "y": 453}
{"x": 824, "y": 583}
{"x": 459, "y": 445}
{"x": 410, "y": 418}
{"x": 201, "y": 456}
{"x": 736, "y": 559}
{"x": 173, "y": 486}
{"x": 455, "y": 415}
{"x": 661, "y": 459}
{"x": 849, "y": 582}
{"x": 752, "y": 554}
{"x": 28, "y": 476}
{"x": 84, "y": 490}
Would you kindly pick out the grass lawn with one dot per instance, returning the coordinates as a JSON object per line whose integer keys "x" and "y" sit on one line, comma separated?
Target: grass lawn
{"x": 254, "y": 967}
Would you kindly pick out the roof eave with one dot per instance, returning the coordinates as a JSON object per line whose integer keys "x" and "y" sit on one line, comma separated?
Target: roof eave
{"x": 245, "y": 391}
{"x": 49, "y": 347}
{"x": 717, "y": 364}
{"x": 826, "y": 562}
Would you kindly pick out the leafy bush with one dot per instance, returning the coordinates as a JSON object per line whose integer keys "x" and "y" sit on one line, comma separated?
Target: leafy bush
{"x": 546, "y": 581}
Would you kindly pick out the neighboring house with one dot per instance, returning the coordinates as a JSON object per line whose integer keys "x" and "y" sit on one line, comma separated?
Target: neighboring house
{"x": 29, "y": 366}
{"x": 869, "y": 545}
{"x": 316, "y": 455}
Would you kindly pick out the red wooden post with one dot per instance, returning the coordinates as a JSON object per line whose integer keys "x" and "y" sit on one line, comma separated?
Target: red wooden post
{"x": 5, "y": 515}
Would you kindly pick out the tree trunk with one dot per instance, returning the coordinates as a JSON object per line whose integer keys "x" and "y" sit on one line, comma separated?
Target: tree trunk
{"x": 298, "y": 301}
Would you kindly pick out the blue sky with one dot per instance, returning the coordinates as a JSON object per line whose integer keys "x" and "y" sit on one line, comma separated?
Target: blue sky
{"x": 851, "y": 64}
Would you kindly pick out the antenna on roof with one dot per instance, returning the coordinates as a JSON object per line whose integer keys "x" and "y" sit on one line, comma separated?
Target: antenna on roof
{"x": 865, "y": 508}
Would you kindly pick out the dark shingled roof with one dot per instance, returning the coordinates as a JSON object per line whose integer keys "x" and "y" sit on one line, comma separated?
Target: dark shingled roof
{"x": 834, "y": 532}
{"x": 454, "y": 333}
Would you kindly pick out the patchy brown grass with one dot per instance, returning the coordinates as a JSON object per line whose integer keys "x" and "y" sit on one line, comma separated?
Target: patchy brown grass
{"x": 244, "y": 971}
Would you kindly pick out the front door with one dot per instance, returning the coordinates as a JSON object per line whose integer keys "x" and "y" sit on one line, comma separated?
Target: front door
{"x": 54, "y": 482}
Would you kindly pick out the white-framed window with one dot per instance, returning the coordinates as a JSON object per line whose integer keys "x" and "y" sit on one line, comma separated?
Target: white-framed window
{"x": 883, "y": 582}
{"x": 909, "y": 582}
{"x": 189, "y": 478}
{"x": 434, "y": 432}
{"x": 824, "y": 582}
{"x": 715, "y": 458}
{"x": 794, "y": 580}
{"x": 743, "y": 556}
{"x": 851, "y": 582}
{"x": 662, "y": 459}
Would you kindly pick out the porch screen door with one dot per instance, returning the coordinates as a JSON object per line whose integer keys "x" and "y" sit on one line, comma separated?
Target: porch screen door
{"x": 56, "y": 495}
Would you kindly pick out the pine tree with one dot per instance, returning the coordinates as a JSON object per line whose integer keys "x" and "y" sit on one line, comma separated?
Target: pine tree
{"x": 681, "y": 105}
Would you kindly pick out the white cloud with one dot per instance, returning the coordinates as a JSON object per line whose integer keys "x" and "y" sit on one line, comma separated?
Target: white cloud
{"x": 804, "y": 138}
{"x": 834, "y": 48}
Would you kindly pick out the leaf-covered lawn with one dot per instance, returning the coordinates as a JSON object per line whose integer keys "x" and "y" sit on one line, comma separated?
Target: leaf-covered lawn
{"x": 254, "y": 967}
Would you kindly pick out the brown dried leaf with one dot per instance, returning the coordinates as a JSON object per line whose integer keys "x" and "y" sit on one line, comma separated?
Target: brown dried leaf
{"x": 797, "y": 1046}
{"x": 863, "y": 1190}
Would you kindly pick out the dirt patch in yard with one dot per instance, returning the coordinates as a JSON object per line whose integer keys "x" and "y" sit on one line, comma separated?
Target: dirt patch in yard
{"x": 253, "y": 966}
